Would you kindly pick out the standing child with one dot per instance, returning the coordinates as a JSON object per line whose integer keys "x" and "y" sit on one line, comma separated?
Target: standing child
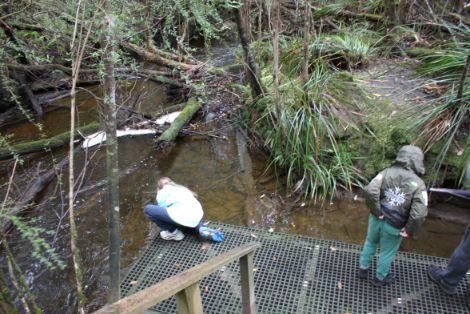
{"x": 397, "y": 200}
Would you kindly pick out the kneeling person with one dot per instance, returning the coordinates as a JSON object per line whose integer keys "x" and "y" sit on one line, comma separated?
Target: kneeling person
{"x": 177, "y": 208}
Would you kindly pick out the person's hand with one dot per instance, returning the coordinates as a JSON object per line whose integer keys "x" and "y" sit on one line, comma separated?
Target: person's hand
{"x": 381, "y": 217}
{"x": 403, "y": 233}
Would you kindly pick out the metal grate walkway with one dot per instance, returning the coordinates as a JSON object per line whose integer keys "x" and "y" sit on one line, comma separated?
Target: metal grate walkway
{"x": 294, "y": 274}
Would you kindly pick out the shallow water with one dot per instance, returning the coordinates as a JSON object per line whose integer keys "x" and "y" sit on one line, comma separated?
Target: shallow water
{"x": 212, "y": 167}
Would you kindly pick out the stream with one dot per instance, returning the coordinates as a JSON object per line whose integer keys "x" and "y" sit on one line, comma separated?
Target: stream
{"x": 233, "y": 186}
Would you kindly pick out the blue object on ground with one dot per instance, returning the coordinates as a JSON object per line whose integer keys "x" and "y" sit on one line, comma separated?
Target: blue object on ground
{"x": 211, "y": 234}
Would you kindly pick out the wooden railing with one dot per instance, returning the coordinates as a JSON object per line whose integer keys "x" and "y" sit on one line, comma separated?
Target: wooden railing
{"x": 185, "y": 286}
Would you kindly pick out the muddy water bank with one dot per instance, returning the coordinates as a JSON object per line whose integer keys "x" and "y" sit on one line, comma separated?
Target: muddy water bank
{"x": 212, "y": 169}
{"x": 232, "y": 183}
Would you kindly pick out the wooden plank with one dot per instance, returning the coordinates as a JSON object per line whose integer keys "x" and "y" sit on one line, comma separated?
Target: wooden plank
{"x": 248, "y": 285}
{"x": 142, "y": 300}
{"x": 189, "y": 300}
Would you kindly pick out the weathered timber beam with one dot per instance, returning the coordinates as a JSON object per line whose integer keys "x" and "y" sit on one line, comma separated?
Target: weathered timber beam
{"x": 144, "y": 299}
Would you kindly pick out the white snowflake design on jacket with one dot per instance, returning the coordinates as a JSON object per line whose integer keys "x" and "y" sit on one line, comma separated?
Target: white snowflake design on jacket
{"x": 395, "y": 196}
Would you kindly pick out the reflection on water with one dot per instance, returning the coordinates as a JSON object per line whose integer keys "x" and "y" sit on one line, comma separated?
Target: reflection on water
{"x": 140, "y": 95}
{"x": 212, "y": 169}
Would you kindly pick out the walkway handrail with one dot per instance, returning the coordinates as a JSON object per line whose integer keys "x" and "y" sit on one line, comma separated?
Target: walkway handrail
{"x": 185, "y": 285}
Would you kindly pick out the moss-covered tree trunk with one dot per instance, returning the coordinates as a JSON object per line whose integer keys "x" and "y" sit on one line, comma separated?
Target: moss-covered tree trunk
{"x": 276, "y": 53}
{"x": 252, "y": 69}
{"x": 112, "y": 168}
{"x": 6, "y": 300}
{"x": 307, "y": 11}
{"x": 48, "y": 143}
{"x": 192, "y": 106}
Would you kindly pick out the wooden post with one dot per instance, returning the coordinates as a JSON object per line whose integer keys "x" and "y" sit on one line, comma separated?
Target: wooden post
{"x": 248, "y": 285}
{"x": 188, "y": 301}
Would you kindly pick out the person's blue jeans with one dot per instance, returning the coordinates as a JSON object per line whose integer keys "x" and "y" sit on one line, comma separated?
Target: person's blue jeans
{"x": 159, "y": 215}
{"x": 459, "y": 263}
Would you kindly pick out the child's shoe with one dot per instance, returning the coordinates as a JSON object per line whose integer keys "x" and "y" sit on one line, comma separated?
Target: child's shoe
{"x": 176, "y": 235}
{"x": 363, "y": 273}
{"x": 388, "y": 280}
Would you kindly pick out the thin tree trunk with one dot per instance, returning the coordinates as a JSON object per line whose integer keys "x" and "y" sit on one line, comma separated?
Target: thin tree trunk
{"x": 461, "y": 6}
{"x": 462, "y": 80}
{"x": 259, "y": 5}
{"x": 77, "y": 47}
{"x": 252, "y": 69}
{"x": 148, "y": 33}
{"x": 246, "y": 19}
{"x": 390, "y": 13}
{"x": 73, "y": 227}
{"x": 401, "y": 11}
{"x": 306, "y": 41}
{"x": 6, "y": 301}
{"x": 112, "y": 169}
{"x": 20, "y": 283}
{"x": 276, "y": 28}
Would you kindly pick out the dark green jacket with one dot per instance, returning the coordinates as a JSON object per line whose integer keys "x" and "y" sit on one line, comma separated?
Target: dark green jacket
{"x": 400, "y": 190}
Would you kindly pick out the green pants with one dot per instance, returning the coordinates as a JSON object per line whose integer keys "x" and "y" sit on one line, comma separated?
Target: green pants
{"x": 388, "y": 238}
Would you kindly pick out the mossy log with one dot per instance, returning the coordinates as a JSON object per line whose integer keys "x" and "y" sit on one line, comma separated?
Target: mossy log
{"x": 155, "y": 57}
{"x": 39, "y": 69}
{"x": 161, "y": 79}
{"x": 366, "y": 16}
{"x": 157, "y": 114}
{"x": 48, "y": 143}
{"x": 317, "y": 11}
{"x": 192, "y": 106}
{"x": 417, "y": 52}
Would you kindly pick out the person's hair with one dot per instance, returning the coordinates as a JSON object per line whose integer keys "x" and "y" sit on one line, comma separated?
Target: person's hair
{"x": 164, "y": 181}
{"x": 167, "y": 181}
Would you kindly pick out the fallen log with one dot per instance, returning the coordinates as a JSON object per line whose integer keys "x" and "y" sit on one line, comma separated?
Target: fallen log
{"x": 417, "y": 52}
{"x": 159, "y": 113}
{"x": 174, "y": 56}
{"x": 48, "y": 143}
{"x": 156, "y": 77}
{"x": 161, "y": 77}
{"x": 34, "y": 188}
{"x": 366, "y": 16}
{"x": 10, "y": 116}
{"x": 157, "y": 58}
{"x": 169, "y": 63}
{"x": 192, "y": 106}
{"x": 39, "y": 69}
